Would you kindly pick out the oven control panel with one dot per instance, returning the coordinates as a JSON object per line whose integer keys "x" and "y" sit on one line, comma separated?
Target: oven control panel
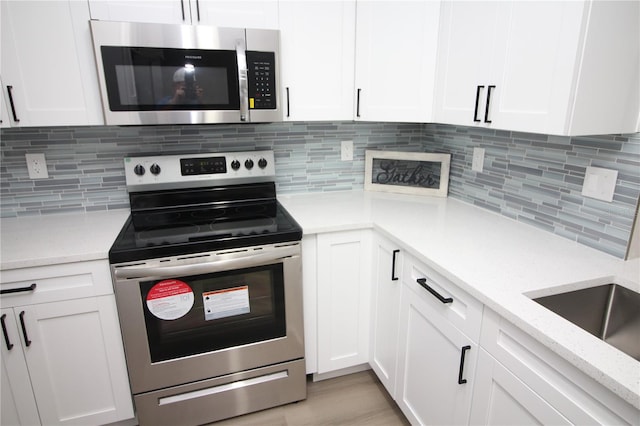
{"x": 192, "y": 170}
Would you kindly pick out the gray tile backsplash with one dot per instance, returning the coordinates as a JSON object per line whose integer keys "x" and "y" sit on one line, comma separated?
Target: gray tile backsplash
{"x": 533, "y": 178}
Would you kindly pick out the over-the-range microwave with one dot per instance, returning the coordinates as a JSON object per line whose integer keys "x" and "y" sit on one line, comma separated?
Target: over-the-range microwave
{"x": 183, "y": 74}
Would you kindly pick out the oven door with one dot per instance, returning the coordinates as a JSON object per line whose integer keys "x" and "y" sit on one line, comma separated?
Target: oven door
{"x": 196, "y": 317}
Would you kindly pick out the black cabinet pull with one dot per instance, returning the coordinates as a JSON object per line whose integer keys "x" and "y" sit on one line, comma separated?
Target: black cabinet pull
{"x": 475, "y": 112}
{"x": 393, "y": 266}
{"x": 462, "y": 381}
{"x": 486, "y": 111}
{"x": 358, "y": 104}
{"x": 24, "y": 329}
{"x": 198, "y": 9}
{"x": 4, "y": 332}
{"x": 19, "y": 289}
{"x": 182, "y": 4}
{"x": 288, "y": 109}
{"x": 13, "y": 107}
{"x": 423, "y": 283}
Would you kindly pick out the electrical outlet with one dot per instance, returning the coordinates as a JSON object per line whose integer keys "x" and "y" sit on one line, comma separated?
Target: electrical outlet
{"x": 478, "y": 159}
{"x": 347, "y": 151}
{"x": 37, "y": 166}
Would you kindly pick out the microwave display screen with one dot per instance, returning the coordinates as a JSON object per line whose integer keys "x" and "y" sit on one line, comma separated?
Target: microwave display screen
{"x": 148, "y": 79}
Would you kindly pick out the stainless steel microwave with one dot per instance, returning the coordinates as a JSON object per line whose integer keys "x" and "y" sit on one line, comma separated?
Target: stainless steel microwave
{"x": 186, "y": 74}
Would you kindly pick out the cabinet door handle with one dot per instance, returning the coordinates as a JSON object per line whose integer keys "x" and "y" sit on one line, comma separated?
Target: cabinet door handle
{"x": 288, "y": 107}
{"x": 24, "y": 330}
{"x": 198, "y": 9}
{"x": 5, "y": 334}
{"x": 358, "y": 104}
{"x": 19, "y": 289}
{"x": 423, "y": 283}
{"x": 393, "y": 266}
{"x": 462, "y": 381}
{"x": 475, "y": 112}
{"x": 486, "y": 111}
{"x": 13, "y": 107}
{"x": 182, "y": 7}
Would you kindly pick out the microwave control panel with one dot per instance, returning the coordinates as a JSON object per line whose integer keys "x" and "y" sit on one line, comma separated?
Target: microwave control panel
{"x": 261, "y": 70}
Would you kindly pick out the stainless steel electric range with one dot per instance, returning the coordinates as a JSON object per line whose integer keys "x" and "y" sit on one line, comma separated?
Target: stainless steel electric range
{"x": 208, "y": 283}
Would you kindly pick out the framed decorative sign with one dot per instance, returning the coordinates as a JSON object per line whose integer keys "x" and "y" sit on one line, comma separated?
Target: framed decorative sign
{"x": 407, "y": 172}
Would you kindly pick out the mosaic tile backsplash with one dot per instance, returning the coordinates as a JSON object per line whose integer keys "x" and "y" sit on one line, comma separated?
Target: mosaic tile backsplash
{"x": 536, "y": 179}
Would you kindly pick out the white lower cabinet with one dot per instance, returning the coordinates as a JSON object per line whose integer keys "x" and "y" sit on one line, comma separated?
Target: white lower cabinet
{"x": 499, "y": 398}
{"x": 436, "y": 364}
{"x": 343, "y": 288}
{"x": 519, "y": 381}
{"x": 385, "y": 300}
{"x": 63, "y": 360}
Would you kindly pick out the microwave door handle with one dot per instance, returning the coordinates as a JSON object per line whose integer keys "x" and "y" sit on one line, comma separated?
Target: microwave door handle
{"x": 241, "y": 54}
{"x": 204, "y": 268}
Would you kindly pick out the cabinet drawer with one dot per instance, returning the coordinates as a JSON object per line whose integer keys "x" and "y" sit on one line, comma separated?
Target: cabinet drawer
{"x": 579, "y": 398}
{"x": 464, "y": 311}
{"x": 56, "y": 282}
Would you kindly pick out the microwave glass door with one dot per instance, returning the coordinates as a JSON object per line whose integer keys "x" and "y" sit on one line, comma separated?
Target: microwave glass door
{"x": 157, "y": 79}
{"x": 204, "y": 313}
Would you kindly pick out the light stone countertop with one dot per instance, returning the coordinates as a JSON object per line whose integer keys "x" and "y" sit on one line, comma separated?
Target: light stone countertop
{"x": 58, "y": 238}
{"x": 497, "y": 260}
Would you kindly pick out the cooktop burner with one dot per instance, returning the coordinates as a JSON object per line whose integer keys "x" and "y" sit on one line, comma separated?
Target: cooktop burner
{"x": 199, "y": 203}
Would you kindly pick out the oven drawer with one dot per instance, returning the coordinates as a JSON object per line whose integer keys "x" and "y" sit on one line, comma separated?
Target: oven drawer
{"x": 64, "y": 281}
{"x": 215, "y": 399}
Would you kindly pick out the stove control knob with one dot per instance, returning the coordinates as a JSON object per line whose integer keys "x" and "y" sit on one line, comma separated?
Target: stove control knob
{"x": 154, "y": 169}
{"x": 249, "y": 164}
{"x": 139, "y": 169}
{"x": 235, "y": 164}
{"x": 262, "y": 163}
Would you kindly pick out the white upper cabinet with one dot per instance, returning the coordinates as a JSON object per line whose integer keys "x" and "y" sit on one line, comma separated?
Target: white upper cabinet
{"x": 48, "y": 68}
{"x": 396, "y": 45}
{"x": 317, "y": 51}
{"x": 544, "y": 67}
{"x": 221, "y": 13}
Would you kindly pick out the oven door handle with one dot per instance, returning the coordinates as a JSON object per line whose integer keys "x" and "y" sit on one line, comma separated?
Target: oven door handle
{"x": 208, "y": 267}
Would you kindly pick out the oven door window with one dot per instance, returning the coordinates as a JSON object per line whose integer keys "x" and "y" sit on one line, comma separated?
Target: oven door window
{"x": 203, "y": 313}
{"x": 157, "y": 79}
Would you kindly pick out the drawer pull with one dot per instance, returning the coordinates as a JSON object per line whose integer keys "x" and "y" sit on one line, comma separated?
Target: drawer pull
{"x": 393, "y": 266}
{"x": 24, "y": 330}
{"x": 4, "y": 332}
{"x": 19, "y": 289}
{"x": 423, "y": 283}
{"x": 462, "y": 381}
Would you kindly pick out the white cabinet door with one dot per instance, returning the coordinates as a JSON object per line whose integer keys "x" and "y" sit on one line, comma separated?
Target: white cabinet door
{"x": 396, "y": 44}
{"x": 535, "y": 65}
{"x": 436, "y": 365}
{"x": 76, "y": 361}
{"x": 385, "y": 300}
{"x": 153, "y": 11}
{"x": 468, "y": 35}
{"x": 318, "y": 47}
{"x": 18, "y": 403}
{"x": 344, "y": 260}
{"x": 48, "y": 64}
{"x": 500, "y": 398}
{"x": 220, "y": 13}
{"x": 542, "y": 67}
{"x": 260, "y": 14}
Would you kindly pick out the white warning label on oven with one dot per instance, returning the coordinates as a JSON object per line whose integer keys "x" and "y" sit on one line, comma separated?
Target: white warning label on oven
{"x": 226, "y": 303}
{"x": 170, "y": 299}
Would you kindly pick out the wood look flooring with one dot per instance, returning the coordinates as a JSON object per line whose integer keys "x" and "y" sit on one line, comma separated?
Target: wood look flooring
{"x": 355, "y": 399}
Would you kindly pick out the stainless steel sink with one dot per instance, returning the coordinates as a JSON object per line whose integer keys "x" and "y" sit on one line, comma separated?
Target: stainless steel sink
{"x": 609, "y": 311}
